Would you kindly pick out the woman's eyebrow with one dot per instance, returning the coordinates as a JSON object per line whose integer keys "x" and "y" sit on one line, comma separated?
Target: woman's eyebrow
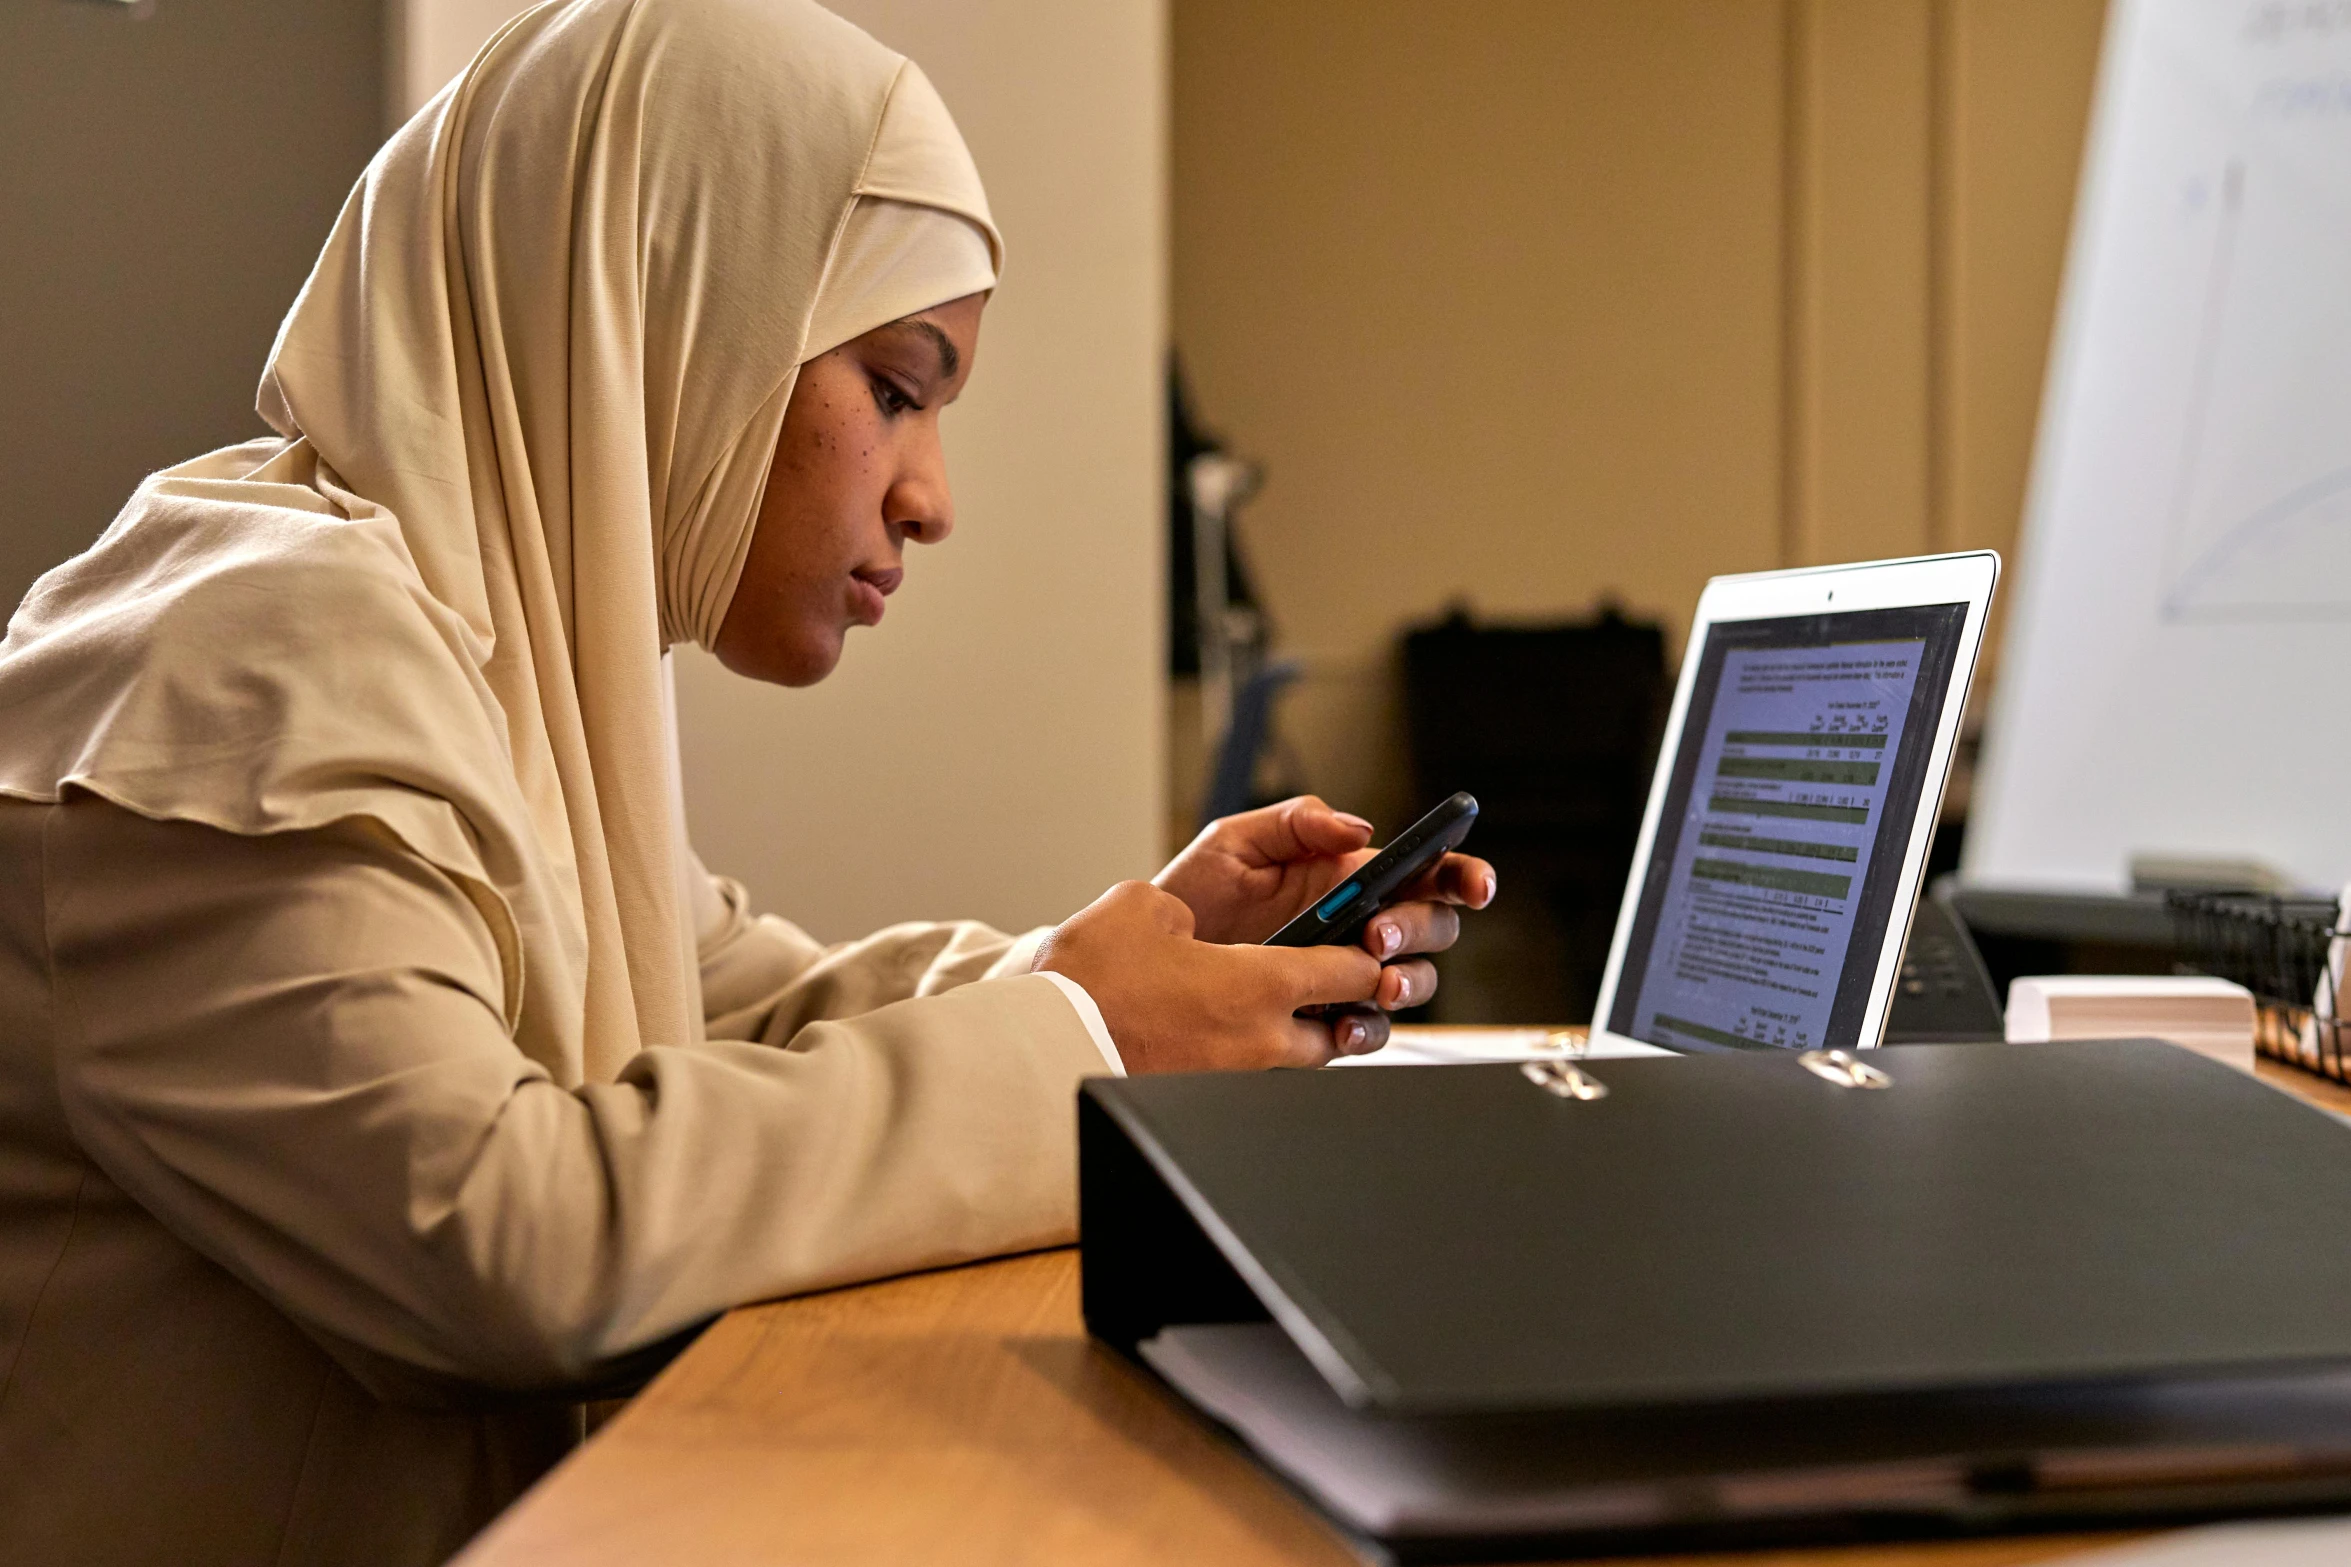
{"x": 950, "y": 358}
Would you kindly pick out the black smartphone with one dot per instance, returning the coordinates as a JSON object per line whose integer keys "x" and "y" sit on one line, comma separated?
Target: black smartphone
{"x": 1339, "y": 917}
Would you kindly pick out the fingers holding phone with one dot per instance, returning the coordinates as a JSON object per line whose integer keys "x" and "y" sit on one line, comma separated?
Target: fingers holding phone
{"x": 1173, "y": 1003}
{"x": 1247, "y": 873}
{"x": 1400, "y": 902}
{"x": 1417, "y": 861}
{"x": 1426, "y": 917}
{"x": 1176, "y": 997}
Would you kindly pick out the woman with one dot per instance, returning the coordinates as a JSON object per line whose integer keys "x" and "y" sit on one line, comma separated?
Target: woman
{"x": 380, "y": 1073}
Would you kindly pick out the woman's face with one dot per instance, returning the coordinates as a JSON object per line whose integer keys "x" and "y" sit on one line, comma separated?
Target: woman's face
{"x": 858, "y": 475}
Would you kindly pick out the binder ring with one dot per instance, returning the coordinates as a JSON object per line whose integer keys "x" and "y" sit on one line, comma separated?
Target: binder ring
{"x": 1565, "y": 1079}
{"x": 1569, "y": 1042}
{"x": 1843, "y": 1068}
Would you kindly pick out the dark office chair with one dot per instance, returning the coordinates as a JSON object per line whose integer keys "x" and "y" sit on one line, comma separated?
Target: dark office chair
{"x": 1554, "y": 728}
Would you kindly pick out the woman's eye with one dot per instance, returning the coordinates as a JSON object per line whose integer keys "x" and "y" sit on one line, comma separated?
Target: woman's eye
{"x": 892, "y": 397}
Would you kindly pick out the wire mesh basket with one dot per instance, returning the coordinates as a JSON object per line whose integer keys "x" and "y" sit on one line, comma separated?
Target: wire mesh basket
{"x": 2288, "y": 952}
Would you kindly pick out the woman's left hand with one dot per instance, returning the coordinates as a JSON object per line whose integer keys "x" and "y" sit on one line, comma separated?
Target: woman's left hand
{"x": 1246, "y": 876}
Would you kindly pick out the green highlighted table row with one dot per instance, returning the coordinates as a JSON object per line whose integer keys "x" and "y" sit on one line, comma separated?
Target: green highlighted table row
{"x": 1803, "y": 846}
{"x": 1817, "y": 884}
{"x": 1733, "y": 805}
{"x": 1802, "y": 737}
{"x": 1712, "y": 1036}
{"x": 1792, "y": 769}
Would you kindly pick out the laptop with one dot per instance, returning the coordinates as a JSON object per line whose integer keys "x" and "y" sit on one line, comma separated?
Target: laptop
{"x": 1790, "y": 815}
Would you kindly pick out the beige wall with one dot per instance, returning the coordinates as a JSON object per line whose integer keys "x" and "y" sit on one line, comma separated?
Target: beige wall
{"x": 1528, "y": 302}
{"x": 165, "y": 181}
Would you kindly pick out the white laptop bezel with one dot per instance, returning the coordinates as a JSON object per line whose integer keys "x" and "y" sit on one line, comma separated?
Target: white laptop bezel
{"x": 1969, "y": 578}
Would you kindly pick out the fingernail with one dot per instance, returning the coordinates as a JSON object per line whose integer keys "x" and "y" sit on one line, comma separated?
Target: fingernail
{"x": 1352, "y": 820}
{"x": 1390, "y": 938}
{"x": 1351, "y": 1034}
{"x": 1493, "y": 886}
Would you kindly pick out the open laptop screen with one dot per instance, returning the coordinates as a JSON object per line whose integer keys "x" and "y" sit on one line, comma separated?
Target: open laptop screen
{"x": 1794, "y": 791}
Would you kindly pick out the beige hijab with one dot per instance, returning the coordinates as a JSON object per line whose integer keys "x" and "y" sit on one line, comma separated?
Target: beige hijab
{"x": 529, "y": 396}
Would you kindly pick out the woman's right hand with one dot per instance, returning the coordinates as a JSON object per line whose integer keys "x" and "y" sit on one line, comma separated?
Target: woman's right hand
{"x": 1176, "y": 1004}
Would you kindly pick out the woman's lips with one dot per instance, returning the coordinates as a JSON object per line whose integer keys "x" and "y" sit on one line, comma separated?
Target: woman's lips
{"x": 868, "y": 589}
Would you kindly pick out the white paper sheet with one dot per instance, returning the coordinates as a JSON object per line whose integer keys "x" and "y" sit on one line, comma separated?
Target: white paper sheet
{"x": 1456, "y": 1046}
{"x": 2301, "y": 1542}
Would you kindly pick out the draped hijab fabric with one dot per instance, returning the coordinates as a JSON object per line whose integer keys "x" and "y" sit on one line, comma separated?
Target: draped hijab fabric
{"x": 527, "y": 403}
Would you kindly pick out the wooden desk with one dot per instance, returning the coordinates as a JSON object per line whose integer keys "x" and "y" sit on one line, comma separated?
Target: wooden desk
{"x": 964, "y": 1417}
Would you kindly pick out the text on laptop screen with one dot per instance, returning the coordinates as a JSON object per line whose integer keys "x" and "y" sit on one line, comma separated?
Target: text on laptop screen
{"x": 1792, "y": 798}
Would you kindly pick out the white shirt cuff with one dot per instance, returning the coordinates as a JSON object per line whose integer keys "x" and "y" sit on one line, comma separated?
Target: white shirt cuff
{"x": 1090, "y": 1015}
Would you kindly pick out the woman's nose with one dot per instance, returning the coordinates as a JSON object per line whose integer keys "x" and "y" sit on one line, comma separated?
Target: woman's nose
{"x": 921, "y": 505}
{"x": 931, "y": 526}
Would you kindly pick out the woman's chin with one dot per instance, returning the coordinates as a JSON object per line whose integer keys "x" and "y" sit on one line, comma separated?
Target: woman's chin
{"x": 793, "y": 661}
{"x": 807, "y": 664}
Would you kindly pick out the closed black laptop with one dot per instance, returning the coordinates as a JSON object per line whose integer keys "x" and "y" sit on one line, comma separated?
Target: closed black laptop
{"x": 2013, "y": 1285}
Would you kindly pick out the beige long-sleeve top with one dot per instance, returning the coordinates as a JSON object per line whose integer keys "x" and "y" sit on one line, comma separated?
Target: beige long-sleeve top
{"x": 302, "y": 1261}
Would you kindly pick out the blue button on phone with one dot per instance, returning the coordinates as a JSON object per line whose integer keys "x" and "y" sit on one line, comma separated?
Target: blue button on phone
{"x": 1337, "y": 900}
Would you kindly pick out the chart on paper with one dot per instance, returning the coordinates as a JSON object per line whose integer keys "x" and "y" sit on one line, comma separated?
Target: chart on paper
{"x": 2260, "y": 521}
{"x": 2180, "y": 624}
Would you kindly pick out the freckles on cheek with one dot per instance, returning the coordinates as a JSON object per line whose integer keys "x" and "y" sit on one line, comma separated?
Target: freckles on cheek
{"x": 839, "y": 450}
